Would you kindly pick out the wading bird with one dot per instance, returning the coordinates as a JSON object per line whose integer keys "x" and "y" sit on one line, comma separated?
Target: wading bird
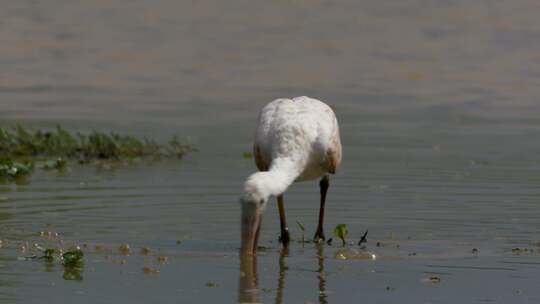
{"x": 296, "y": 140}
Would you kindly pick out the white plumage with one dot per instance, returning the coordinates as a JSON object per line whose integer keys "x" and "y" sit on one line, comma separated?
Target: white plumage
{"x": 296, "y": 140}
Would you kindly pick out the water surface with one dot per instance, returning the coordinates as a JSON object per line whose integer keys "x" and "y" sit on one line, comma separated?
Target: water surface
{"x": 438, "y": 108}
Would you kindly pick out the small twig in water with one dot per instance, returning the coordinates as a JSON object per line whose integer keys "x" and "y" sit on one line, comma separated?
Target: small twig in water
{"x": 364, "y": 238}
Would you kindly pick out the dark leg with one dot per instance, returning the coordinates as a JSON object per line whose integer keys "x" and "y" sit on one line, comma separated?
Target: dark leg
{"x": 285, "y": 238}
{"x": 325, "y": 182}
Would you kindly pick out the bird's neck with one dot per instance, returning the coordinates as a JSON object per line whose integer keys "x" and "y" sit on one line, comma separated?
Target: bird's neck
{"x": 262, "y": 185}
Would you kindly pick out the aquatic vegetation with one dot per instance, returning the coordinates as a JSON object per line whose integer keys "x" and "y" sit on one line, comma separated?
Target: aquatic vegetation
{"x": 211, "y": 284}
{"x": 48, "y": 254}
{"x": 73, "y": 258}
{"x": 247, "y": 155}
{"x": 302, "y": 228}
{"x": 21, "y": 148}
{"x": 20, "y": 142}
{"x": 363, "y": 239}
{"x": 522, "y": 251}
{"x": 10, "y": 169}
{"x": 341, "y": 232}
{"x": 72, "y": 273}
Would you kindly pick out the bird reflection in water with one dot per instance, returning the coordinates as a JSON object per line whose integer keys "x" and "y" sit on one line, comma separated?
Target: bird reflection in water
{"x": 321, "y": 275}
{"x": 282, "y": 271}
{"x": 248, "y": 290}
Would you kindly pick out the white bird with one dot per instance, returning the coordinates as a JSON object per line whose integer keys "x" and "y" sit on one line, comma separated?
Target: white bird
{"x": 296, "y": 140}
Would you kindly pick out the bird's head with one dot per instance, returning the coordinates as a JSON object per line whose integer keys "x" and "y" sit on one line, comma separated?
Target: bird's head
{"x": 252, "y": 208}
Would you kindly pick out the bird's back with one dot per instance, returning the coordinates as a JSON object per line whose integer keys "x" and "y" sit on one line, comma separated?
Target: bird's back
{"x": 303, "y": 130}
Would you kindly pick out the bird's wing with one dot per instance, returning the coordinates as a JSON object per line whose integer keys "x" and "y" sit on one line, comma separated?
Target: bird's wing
{"x": 333, "y": 154}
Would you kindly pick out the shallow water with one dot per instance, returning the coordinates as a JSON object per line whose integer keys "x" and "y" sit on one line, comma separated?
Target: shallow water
{"x": 438, "y": 108}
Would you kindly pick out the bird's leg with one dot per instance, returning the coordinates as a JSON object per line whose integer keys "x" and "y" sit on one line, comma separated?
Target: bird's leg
{"x": 324, "y": 183}
{"x": 284, "y": 238}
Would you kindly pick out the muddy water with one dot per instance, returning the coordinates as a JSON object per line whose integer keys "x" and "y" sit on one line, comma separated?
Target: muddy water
{"x": 440, "y": 119}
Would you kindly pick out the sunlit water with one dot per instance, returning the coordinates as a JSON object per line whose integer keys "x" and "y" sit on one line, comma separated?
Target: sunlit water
{"x": 438, "y": 106}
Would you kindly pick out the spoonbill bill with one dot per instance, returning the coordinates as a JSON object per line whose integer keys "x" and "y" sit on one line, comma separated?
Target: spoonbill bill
{"x": 296, "y": 140}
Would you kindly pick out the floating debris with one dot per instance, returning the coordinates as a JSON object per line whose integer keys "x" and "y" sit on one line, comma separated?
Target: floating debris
{"x": 150, "y": 270}
{"x": 432, "y": 280}
{"x": 212, "y": 284}
{"x": 247, "y": 155}
{"x": 102, "y": 249}
{"x": 162, "y": 259}
{"x": 145, "y": 251}
{"x": 124, "y": 249}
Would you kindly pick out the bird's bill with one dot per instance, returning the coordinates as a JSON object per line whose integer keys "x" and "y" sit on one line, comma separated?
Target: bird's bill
{"x": 251, "y": 224}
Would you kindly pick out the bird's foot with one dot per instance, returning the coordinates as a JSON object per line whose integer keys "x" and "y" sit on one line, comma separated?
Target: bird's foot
{"x": 285, "y": 237}
{"x": 319, "y": 236}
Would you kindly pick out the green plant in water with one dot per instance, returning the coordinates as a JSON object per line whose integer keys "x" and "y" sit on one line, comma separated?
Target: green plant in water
{"x": 73, "y": 264}
{"x": 12, "y": 169}
{"x": 73, "y": 258}
{"x": 302, "y": 228}
{"x": 20, "y": 142}
{"x": 176, "y": 148}
{"x": 341, "y": 232}
{"x": 48, "y": 254}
